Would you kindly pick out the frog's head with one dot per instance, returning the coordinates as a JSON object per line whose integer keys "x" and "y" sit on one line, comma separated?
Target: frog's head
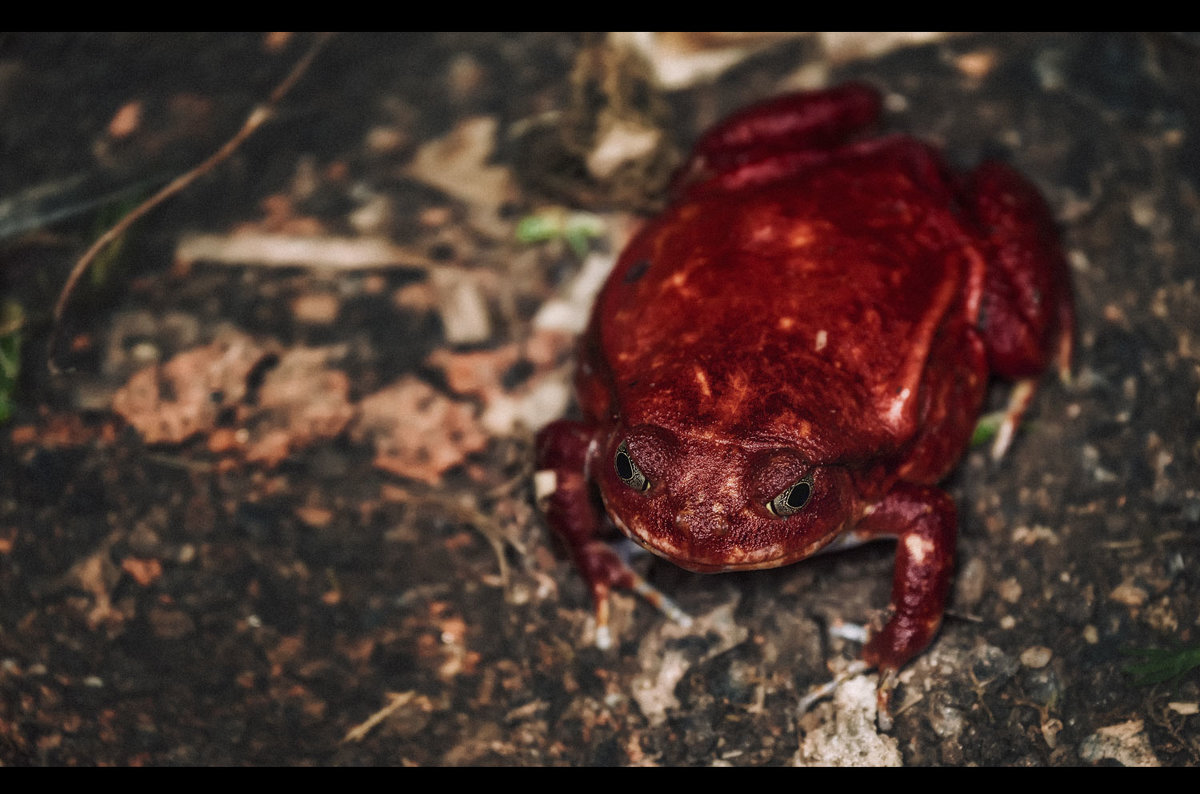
{"x": 710, "y": 504}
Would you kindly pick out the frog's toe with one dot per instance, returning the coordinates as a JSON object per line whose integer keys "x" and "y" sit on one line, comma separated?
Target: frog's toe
{"x": 603, "y": 637}
{"x": 822, "y": 691}
{"x": 883, "y": 698}
{"x": 1018, "y": 404}
{"x": 653, "y": 596}
{"x": 660, "y": 601}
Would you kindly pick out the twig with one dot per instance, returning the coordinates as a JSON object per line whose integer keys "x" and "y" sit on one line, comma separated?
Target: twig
{"x": 258, "y": 116}
{"x": 395, "y": 701}
{"x": 284, "y": 250}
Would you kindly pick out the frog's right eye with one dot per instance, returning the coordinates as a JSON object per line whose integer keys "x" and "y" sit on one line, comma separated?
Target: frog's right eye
{"x": 628, "y": 471}
{"x": 792, "y": 500}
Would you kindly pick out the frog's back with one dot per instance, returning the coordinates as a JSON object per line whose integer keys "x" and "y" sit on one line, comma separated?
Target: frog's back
{"x": 801, "y": 313}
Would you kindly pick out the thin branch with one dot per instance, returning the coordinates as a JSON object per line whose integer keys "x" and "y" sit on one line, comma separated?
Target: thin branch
{"x": 395, "y": 701}
{"x": 258, "y": 116}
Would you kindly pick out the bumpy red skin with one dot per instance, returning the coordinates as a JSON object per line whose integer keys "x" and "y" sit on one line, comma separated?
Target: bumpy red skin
{"x": 807, "y": 307}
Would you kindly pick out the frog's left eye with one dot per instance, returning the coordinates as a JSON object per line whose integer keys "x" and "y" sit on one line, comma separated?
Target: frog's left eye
{"x": 628, "y": 471}
{"x": 792, "y": 499}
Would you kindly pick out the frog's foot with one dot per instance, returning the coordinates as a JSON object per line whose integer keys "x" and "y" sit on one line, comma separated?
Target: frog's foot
{"x": 1066, "y": 342}
{"x": 604, "y": 569}
{"x": 660, "y": 601}
{"x": 822, "y": 691}
{"x": 653, "y": 596}
{"x": 883, "y": 698}
{"x": 1018, "y": 403}
{"x": 1024, "y": 389}
{"x": 883, "y": 693}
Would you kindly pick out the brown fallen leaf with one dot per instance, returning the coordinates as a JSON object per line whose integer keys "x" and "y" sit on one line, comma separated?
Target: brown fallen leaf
{"x": 417, "y": 431}
{"x": 458, "y": 165}
{"x": 316, "y": 517}
{"x": 535, "y": 396}
{"x": 476, "y": 373}
{"x": 144, "y": 571}
{"x": 169, "y": 403}
{"x": 301, "y": 400}
{"x": 97, "y": 575}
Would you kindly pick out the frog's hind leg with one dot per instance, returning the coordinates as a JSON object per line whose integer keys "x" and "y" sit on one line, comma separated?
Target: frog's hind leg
{"x": 766, "y": 137}
{"x": 1025, "y": 315}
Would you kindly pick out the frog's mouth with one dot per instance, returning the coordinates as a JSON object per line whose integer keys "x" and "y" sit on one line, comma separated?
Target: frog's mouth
{"x": 724, "y": 558}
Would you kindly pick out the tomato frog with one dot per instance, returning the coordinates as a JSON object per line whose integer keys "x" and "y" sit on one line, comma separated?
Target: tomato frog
{"x": 796, "y": 351}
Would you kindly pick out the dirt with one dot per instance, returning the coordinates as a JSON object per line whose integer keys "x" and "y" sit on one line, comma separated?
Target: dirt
{"x": 278, "y": 509}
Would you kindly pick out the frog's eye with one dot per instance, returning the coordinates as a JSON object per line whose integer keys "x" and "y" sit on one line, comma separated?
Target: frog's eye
{"x": 791, "y": 500}
{"x": 628, "y": 471}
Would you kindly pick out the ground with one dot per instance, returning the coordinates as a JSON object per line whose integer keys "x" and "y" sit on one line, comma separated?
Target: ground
{"x": 277, "y": 507}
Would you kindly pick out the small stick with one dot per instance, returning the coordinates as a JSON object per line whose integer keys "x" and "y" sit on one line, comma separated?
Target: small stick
{"x": 258, "y": 116}
{"x": 360, "y": 731}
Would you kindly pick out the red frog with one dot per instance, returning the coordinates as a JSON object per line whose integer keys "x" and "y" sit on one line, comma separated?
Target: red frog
{"x": 797, "y": 350}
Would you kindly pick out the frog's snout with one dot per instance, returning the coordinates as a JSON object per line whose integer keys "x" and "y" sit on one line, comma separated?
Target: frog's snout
{"x": 703, "y": 520}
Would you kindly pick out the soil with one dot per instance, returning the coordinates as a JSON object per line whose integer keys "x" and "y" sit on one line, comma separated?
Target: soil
{"x": 278, "y": 507}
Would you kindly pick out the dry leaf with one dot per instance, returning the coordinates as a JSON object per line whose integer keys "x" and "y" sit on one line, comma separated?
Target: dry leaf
{"x": 418, "y": 432}
{"x": 169, "y": 403}
{"x": 302, "y": 400}
{"x": 458, "y": 165}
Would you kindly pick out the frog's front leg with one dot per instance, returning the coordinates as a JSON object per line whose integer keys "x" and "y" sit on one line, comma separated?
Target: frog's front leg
{"x": 564, "y": 452}
{"x": 923, "y": 520}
